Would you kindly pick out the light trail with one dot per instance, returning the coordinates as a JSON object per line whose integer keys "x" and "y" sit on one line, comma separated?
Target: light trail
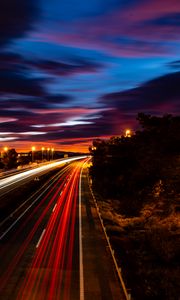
{"x": 51, "y": 182}
{"x": 54, "y": 207}
{"x": 6, "y": 182}
{"x": 40, "y": 238}
{"x": 55, "y": 253}
{"x": 49, "y": 275}
{"x": 13, "y": 264}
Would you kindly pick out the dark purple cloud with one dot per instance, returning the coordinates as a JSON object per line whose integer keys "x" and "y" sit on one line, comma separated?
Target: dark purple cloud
{"x": 63, "y": 69}
{"x": 18, "y": 82}
{"x": 9, "y": 60}
{"x": 16, "y": 17}
{"x": 33, "y": 103}
{"x": 174, "y": 64}
{"x": 159, "y": 94}
{"x": 16, "y": 77}
{"x": 172, "y": 19}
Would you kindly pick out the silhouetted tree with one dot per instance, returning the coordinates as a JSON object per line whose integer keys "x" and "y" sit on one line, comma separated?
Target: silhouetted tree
{"x": 130, "y": 166}
{"x": 10, "y": 159}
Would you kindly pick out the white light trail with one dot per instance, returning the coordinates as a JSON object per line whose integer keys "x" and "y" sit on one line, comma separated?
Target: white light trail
{"x": 18, "y": 177}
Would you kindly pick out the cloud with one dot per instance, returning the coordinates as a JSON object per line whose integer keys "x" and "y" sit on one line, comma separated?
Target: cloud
{"x": 64, "y": 69}
{"x": 123, "y": 31}
{"x": 46, "y": 104}
{"x": 16, "y": 18}
{"x": 118, "y": 111}
{"x": 56, "y": 123}
{"x": 9, "y": 59}
{"x": 17, "y": 82}
{"x": 174, "y": 64}
{"x": 160, "y": 95}
{"x": 17, "y": 78}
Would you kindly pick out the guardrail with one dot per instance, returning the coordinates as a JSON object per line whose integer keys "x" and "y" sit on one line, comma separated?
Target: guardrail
{"x": 118, "y": 269}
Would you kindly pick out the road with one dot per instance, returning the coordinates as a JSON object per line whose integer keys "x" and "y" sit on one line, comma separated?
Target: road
{"x": 56, "y": 250}
{"x": 11, "y": 182}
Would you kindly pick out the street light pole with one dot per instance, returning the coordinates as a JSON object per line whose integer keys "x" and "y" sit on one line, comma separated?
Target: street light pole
{"x": 33, "y": 149}
{"x": 42, "y": 152}
{"x": 48, "y": 153}
{"x": 52, "y": 152}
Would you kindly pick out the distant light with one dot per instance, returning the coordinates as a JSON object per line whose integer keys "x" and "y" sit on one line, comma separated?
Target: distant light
{"x": 33, "y": 148}
{"x": 5, "y": 149}
{"x": 128, "y": 133}
{"x": 42, "y": 148}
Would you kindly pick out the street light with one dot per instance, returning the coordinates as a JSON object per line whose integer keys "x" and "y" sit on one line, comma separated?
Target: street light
{"x": 128, "y": 133}
{"x": 48, "y": 153}
{"x": 33, "y": 149}
{"x": 93, "y": 148}
{"x": 52, "y": 150}
{"x": 42, "y": 152}
{"x": 5, "y": 150}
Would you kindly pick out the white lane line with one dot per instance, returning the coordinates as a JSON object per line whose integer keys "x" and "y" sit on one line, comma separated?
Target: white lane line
{"x": 81, "y": 269}
{"x": 54, "y": 207}
{"x": 12, "y": 225}
{"x": 40, "y": 238}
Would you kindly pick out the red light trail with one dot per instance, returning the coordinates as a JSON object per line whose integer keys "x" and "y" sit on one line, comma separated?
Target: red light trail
{"x": 48, "y": 275}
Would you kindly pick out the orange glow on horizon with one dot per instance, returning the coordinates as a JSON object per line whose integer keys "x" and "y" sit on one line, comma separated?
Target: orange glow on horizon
{"x": 78, "y": 145}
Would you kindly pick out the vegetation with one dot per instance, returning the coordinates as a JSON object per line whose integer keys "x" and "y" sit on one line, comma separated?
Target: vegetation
{"x": 9, "y": 159}
{"x": 136, "y": 180}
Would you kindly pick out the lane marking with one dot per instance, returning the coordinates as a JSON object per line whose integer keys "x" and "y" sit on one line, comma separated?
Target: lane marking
{"x": 14, "y": 223}
{"x": 40, "y": 238}
{"x": 54, "y": 207}
{"x": 52, "y": 180}
{"x": 81, "y": 269}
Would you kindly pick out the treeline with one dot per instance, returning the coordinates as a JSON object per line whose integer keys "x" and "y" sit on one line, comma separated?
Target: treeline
{"x": 136, "y": 166}
{"x": 9, "y": 159}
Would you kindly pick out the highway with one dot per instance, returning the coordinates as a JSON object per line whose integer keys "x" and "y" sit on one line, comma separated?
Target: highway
{"x": 53, "y": 248}
{"x": 11, "y": 182}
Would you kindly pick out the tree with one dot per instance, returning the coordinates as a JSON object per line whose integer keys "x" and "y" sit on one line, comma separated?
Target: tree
{"x": 130, "y": 167}
{"x": 10, "y": 159}
{"x": 1, "y": 164}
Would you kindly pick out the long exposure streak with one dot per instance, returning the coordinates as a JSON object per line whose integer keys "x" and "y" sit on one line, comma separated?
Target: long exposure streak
{"x": 48, "y": 274}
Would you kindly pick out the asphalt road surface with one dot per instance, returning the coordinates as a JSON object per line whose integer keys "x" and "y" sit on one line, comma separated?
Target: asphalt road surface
{"x": 55, "y": 249}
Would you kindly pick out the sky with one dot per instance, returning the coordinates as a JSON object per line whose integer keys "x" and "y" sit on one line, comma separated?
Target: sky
{"x": 75, "y": 70}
